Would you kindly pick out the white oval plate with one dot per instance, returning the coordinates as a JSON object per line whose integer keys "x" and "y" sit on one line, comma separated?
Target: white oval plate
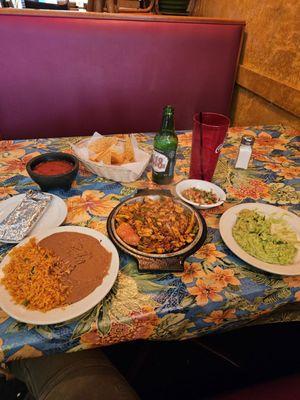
{"x": 228, "y": 220}
{"x": 54, "y": 215}
{"x": 203, "y": 185}
{"x": 66, "y": 313}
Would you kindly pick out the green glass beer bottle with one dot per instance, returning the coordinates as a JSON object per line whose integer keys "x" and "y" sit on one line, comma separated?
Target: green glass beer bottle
{"x": 164, "y": 149}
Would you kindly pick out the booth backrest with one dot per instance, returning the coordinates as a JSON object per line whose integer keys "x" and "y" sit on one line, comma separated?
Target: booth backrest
{"x": 72, "y": 74}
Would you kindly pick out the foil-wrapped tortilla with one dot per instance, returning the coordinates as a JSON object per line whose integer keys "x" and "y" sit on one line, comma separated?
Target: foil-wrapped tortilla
{"x": 22, "y": 219}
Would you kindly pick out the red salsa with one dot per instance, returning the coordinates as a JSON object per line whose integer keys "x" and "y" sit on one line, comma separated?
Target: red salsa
{"x": 53, "y": 167}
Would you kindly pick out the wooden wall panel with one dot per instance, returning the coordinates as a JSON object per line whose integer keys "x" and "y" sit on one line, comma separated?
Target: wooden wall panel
{"x": 268, "y": 89}
{"x": 248, "y": 109}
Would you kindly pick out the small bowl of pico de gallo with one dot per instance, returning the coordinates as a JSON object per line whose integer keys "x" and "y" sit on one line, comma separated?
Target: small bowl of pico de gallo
{"x": 200, "y": 194}
{"x": 55, "y": 170}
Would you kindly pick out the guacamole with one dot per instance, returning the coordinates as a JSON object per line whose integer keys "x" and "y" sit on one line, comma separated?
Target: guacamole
{"x": 269, "y": 239}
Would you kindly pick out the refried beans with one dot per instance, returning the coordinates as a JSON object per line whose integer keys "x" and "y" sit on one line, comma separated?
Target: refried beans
{"x": 88, "y": 259}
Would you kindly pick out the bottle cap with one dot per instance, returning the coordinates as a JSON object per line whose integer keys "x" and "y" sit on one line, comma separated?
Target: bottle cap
{"x": 248, "y": 140}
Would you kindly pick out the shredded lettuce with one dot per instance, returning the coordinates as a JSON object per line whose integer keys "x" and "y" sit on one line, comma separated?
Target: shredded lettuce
{"x": 269, "y": 239}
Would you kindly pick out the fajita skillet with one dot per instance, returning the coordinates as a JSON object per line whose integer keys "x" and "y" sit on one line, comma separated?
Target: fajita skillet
{"x": 158, "y": 262}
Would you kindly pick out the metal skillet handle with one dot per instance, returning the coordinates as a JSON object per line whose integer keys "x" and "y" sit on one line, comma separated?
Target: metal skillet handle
{"x": 168, "y": 264}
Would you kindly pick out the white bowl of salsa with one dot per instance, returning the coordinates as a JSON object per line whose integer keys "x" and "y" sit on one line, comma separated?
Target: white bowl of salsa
{"x": 200, "y": 194}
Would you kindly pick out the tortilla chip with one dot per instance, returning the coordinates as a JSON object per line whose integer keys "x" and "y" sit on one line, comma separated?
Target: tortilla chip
{"x": 100, "y": 145}
{"x": 128, "y": 150}
{"x": 117, "y": 157}
{"x": 105, "y": 157}
{"x": 93, "y": 157}
{"x": 98, "y": 156}
{"x": 120, "y": 136}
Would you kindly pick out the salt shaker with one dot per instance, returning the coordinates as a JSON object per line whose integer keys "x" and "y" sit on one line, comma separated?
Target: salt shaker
{"x": 245, "y": 152}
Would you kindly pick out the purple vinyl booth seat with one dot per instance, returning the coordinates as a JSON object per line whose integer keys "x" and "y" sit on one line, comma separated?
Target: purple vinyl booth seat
{"x": 66, "y": 74}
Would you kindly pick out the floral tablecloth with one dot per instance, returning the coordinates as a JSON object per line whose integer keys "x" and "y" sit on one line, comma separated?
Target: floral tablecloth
{"x": 217, "y": 290}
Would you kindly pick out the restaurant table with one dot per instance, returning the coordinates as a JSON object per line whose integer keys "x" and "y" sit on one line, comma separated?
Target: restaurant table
{"x": 216, "y": 292}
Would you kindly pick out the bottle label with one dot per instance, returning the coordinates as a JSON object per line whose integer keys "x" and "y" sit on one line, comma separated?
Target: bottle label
{"x": 159, "y": 161}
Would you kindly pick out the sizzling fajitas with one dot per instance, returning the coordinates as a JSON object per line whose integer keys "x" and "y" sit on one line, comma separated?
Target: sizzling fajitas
{"x": 156, "y": 226}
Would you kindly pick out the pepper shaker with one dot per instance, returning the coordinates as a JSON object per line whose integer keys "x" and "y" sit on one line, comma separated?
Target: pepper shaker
{"x": 245, "y": 152}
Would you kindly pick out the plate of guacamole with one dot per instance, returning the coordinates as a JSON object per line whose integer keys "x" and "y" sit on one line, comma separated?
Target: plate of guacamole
{"x": 264, "y": 236}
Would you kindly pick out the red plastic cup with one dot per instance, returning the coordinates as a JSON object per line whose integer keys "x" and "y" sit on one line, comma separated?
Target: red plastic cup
{"x": 209, "y": 133}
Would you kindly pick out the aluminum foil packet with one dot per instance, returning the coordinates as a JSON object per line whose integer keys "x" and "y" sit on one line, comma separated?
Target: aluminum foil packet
{"x": 22, "y": 219}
